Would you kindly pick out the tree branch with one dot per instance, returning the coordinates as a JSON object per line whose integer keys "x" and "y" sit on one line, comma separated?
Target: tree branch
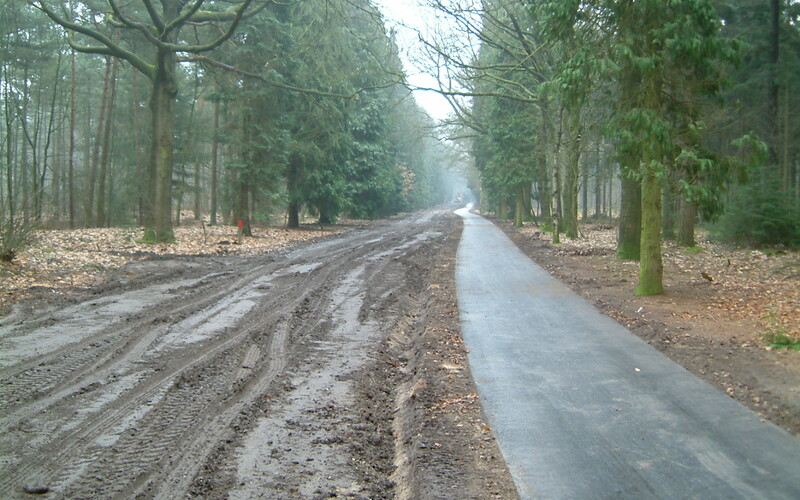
{"x": 291, "y": 88}
{"x": 108, "y": 46}
{"x": 157, "y": 21}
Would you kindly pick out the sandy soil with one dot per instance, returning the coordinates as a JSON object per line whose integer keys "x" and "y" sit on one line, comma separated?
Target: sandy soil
{"x": 330, "y": 370}
{"x": 713, "y": 328}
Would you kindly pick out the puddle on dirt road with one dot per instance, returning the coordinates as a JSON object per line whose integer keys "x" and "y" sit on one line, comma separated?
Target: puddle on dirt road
{"x": 418, "y": 238}
{"x": 299, "y": 269}
{"x": 75, "y": 323}
{"x": 212, "y": 321}
{"x": 302, "y": 447}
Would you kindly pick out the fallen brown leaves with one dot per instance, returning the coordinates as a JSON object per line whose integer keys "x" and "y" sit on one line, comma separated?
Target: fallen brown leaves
{"x": 61, "y": 260}
{"x": 747, "y": 283}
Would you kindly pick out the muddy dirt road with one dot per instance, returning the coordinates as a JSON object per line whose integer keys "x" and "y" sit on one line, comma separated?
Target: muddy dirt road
{"x": 291, "y": 375}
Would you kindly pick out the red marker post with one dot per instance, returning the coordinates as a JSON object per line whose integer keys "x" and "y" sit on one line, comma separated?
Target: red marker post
{"x": 240, "y": 232}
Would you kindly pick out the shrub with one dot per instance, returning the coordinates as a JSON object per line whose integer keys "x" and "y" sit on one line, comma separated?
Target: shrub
{"x": 760, "y": 214}
{"x": 15, "y": 236}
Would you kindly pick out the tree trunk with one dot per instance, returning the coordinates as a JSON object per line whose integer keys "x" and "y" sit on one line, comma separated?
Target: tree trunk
{"x": 557, "y": 187}
{"x": 9, "y": 121}
{"x": 585, "y": 191}
{"x": 93, "y": 169}
{"x": 519, "y": 207}
{"x": 158, "y": 221}
{"x": 598, "y": 179}
{"x": 650, "y": 265}
{"x": 141, "y": 184}
{"x": 72, "y": 113}
{"x": 572, "y": 175}
{"x": 178, "y": 194}
{"x": 293, "y": 219}
{"x": 774, "y": 57}
{"x": 669, "y": 215}
{"x": 630, "y": 219}
{"x": 688, "y": 213}
{"x": 214, "y": 155}
{"x": 197, "y": 204}
{"x": 556, "y": 213}
{"x": 24, "y": 153}
{"x": 242, "y": 210}
{"x": 527, "y": 205}
{"x": 101, "y": 215}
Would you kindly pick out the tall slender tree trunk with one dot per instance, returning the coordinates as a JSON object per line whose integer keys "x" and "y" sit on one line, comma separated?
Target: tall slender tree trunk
{"x": 39, "y": 180}
{"x": 197, "y": 190}
{"x": 101, "y": 215}
{"x": 158, "y": 206}
{"x": 72, "y": 113}
{"x": 650, "y": 264}
{"x": 585, "y": 191}
{"x": 688, "y": 213}
{"x": 293, "y": 215}
{"x": 244, "y": 176}
{"x": 572, "y": 174}
{"x": 527, "y": 206}
{"x": 141, "y": 183}
{"x": 557, "y": 187}
{"x": 178, "y": 193}
{"x": 243, "y": 209}
{"x": 9, "y": 138}
{"x": 93, "y": 169}
{"x": 785, "y": 161}
{"x": 774, "y": 57}
{"x": 24, "y": 152}
{"x": 548, "y": 189}
{"x": 502, "y": 208}
{"x": 669, "y": 215}
{"x": 519, "y": 207}
{"x": 630, "y": 219}
{"x": 630, "y": 215}
{"x": 214, "y": 155}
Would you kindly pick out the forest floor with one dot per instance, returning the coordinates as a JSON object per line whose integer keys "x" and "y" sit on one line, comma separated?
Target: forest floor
{"x": 717, "y": 318}
{"x": 69, "y": 261}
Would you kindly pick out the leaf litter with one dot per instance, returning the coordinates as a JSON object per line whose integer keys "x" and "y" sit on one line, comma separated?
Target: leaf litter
{"x": 63, "y": 261}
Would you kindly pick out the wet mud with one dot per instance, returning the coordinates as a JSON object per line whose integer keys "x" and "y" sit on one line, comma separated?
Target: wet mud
{"x": 332, "y": 370}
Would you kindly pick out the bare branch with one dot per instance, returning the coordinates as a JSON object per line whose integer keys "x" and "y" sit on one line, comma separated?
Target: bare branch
{"x": 292, "y": 88}
{"x": 108, "y": 46}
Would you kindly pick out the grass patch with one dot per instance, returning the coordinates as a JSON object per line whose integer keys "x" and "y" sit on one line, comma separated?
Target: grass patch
{"x": 780, "y": 340}
{"x": 777, "y": 338}
{"x": 692, "y": 250}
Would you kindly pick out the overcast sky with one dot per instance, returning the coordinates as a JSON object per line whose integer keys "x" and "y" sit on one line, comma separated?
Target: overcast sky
{"x": 408, "y": 13}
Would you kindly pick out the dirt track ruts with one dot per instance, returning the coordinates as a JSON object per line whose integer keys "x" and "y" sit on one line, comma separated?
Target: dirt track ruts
{"x": 187, "y": 375}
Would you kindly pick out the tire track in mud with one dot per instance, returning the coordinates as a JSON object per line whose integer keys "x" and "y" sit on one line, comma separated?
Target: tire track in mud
{"x": 137, "y": 405}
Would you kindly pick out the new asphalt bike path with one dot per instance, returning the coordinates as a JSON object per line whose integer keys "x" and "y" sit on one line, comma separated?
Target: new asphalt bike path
{"x": 583, "y": 409}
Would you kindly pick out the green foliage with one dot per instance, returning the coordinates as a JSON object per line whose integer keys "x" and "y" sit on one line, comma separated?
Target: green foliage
{"x": 760, "y": 214}
{"x": 780, "y": 340}
{"x": 776, "y": 337}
